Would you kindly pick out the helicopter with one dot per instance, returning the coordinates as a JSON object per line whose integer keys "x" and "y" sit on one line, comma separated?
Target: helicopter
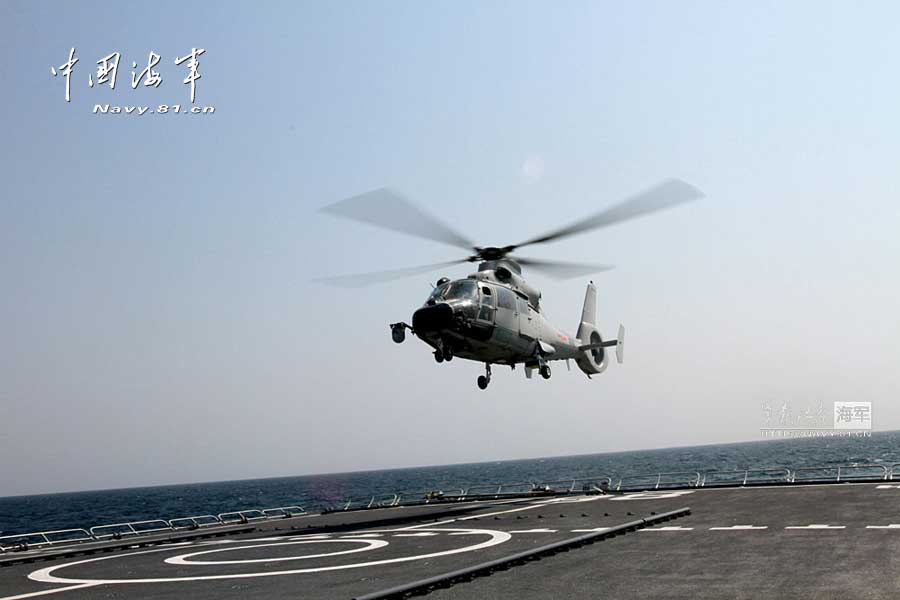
{"x": 494, "y": 316}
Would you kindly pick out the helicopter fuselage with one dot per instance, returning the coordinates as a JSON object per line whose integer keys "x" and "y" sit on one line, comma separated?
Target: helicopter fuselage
{"x": 487, "y": 321}
{"x": 493, "y": 316}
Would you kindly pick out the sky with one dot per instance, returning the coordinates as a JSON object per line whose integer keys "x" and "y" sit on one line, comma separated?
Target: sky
{"x": 158, "y": 315}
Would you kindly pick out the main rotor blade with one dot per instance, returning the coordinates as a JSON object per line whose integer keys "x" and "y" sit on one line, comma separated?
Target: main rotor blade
{"x": 664, "y": 195}
{"x": 560, "y": 270}
{"x": 389, "y": 209}
{"x": 364, "y": 279}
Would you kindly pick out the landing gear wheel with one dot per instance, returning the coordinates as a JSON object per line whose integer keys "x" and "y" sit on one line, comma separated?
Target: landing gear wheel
{"x": 545, "y": 371}
{"x": 448, "y": 354}
{"x": 438, "y": 356}
{"x": 484, "y": 380}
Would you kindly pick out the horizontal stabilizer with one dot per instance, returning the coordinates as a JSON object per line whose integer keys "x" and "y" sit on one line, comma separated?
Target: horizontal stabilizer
{"x": 620, "y": 345}
{"x": 609, "y": 344}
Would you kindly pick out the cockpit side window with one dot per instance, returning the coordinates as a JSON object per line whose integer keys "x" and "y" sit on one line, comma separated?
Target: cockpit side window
{"x": 506, "y": 299}
{"x": 523, "y": 305}
{"x": 486, "y": 311}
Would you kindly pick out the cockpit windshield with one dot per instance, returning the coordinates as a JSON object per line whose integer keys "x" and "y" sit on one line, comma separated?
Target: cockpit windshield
{"x": 437, "y": 293}
{"x": 455, "y": 290}
{"x": 461, "y": 290}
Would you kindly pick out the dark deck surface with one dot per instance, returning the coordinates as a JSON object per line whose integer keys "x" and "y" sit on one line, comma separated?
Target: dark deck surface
{"x": 814, "y": 541}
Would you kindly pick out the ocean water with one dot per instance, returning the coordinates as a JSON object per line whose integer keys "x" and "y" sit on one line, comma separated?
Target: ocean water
{"x": 22, "y": 514}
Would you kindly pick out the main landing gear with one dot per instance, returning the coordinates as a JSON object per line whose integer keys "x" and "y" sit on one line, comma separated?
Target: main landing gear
{"x": 545, "y": 371}
{"x": 484, "y": 380}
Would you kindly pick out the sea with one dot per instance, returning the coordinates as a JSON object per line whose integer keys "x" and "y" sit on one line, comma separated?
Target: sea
{"x": 46, "y": 512}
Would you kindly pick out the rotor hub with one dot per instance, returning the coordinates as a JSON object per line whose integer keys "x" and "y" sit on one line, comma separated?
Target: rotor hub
{"x": 492, "y": 253}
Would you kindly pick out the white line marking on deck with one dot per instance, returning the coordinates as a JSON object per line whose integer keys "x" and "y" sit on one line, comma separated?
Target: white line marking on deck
{"x": 363, "y": 535}
{"x": 534, "y": 531}
{"x": 53, "y": 591}
{"x": 891, "y": 526}
{"x": 670, "y": 528}
{"x": 816, "y": 526}
{"x": 653, "y": 495}
{"x": 416, "y": 534}
{"x": 739, "y": 528}
{"x": 886, "y": 486}
{"x": 594, "y": 530}
{"x": 539, "y": 504}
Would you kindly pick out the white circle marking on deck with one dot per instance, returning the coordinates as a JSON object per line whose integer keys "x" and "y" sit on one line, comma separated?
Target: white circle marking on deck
{"x": 46, "y": 575}
{"x": 183, "y": 559}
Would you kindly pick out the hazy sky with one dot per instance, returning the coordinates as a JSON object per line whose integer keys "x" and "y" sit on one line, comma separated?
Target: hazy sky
{"x": 158, "y": 319}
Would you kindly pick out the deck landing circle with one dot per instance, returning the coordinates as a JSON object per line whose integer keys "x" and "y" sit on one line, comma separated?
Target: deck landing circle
{"x": 47, "y": 575}
{"x": 184, "y": 559}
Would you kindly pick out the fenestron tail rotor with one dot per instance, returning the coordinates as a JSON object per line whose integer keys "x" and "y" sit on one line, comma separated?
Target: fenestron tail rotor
{"x": 389, "y": 209}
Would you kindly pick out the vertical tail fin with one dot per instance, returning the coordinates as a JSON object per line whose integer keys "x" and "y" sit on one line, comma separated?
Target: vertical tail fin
{"x": 589, "y": 312}
{"x": 593, "y": 359}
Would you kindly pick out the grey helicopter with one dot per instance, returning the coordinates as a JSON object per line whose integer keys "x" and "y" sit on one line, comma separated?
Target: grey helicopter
{"x": 494, "y": 316}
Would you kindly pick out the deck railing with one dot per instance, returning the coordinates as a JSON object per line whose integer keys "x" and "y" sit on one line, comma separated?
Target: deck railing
{"x": 657, "y": 480}
{"x": 580, "y": 485}
{"x": 600, "y": 483}
{"x": 117, "y": 530}
{"x": 745, "y": 477}
{"x": 839, "y": 473}
{"x": 41, "y": 539}
{"x": 495, "y": 490}
{"x": 110, "y": 531}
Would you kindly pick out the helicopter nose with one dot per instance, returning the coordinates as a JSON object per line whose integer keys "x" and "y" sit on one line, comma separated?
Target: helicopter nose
{"x": 433, "y": 318}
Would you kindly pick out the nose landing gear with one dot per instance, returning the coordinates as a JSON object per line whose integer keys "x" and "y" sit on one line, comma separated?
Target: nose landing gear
{"x": 444, "y": 352}
{"x": 484, "y": 380}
